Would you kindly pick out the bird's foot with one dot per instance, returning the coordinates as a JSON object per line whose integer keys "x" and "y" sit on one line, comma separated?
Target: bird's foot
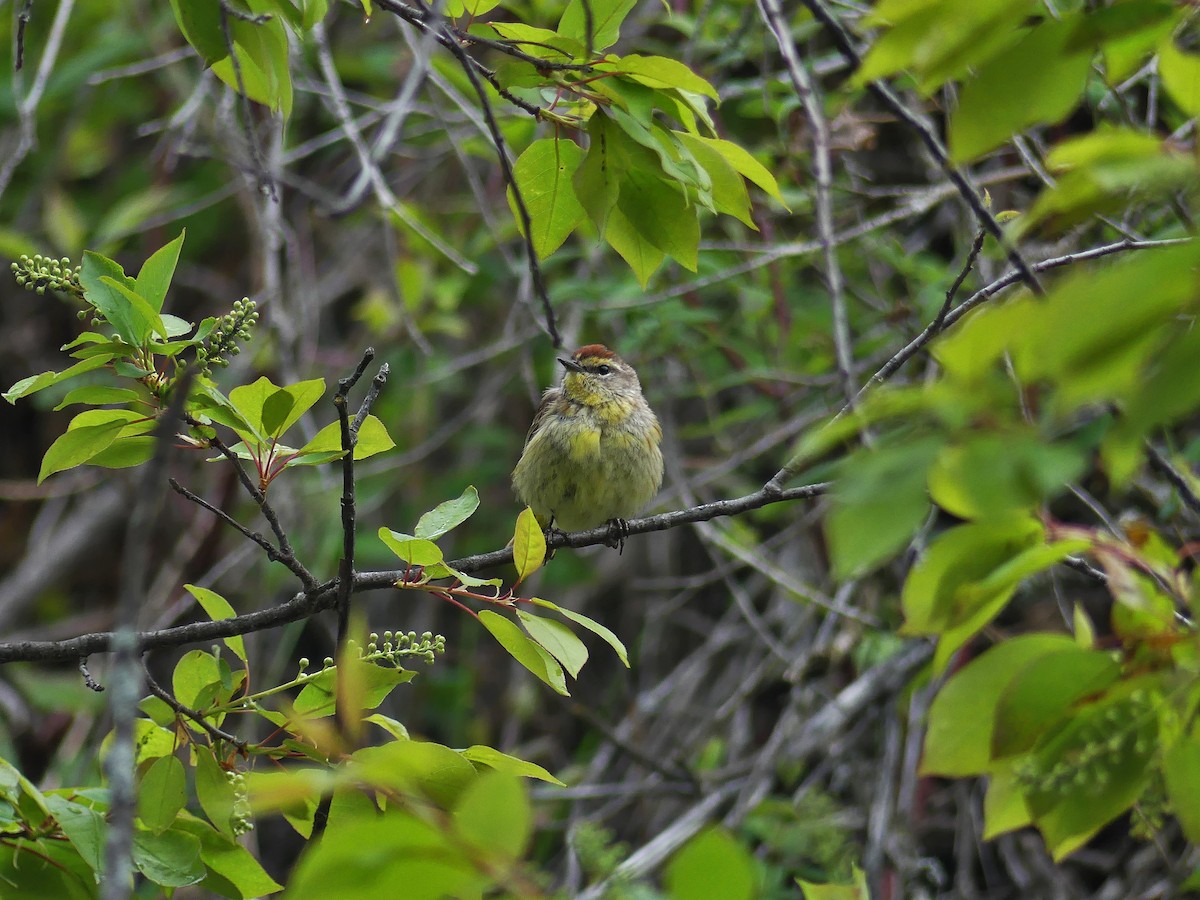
{"x": 618, "y": 530}
{"x": 552, "y": 531}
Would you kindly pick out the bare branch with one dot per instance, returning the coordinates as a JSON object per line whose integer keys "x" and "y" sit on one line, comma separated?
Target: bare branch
{"x": 932, "y": 142}
{"x": 324, "y": 596}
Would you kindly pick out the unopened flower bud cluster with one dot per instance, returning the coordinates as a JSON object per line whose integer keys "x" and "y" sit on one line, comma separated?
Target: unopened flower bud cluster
{"x": 222, "y": 343}
{"x": 37, "y": 273}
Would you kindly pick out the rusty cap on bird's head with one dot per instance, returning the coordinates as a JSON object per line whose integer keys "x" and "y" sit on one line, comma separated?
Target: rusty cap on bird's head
{"x": 587, "y": 355}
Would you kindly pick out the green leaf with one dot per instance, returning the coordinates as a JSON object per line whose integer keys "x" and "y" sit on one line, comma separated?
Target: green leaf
{"x": 422, "y": 768}
{"x": 214, "y": 791}
{"x": 660, "y": 215}
{"x": 447, "y": 516}
{"x": 326, "y": 444}
{"x": 138, "y": 316}
{"x": 35, "y": 383}
{"x": 1043, "y": 693}
{"x": 971, "y": 695}
{"x": 878, "y": 501}
{"x": 938, "y": 592}
{"x": 1181, "y": 772}
{"x": 594, "y": 627}
{"x": 261, "y": 50}
{"x": 155, "y": 276}
{"x": 857, "y": 889}
{"x": 597, "y": 179}
{"x": 539, "y": 42}
{"x": 641, "y": 255}
{"x": 494, "y": 815}
{"x": 111, "y": 303}
{"x": 1124, "y": 729}
{"x": 529, "y": 545}
{"x": 84, "y": 827}
{"x": 525, "y": 651}
{"x": 249, "y": 401}
{"x": 660, "y": 72}
{"x": 125, "y": 452}
{"x": 544, "y": 174}
{"x": 372, "y": 682}
{"x": 276, "y": 409}
{"x": 385, "y": 855}
{"x": 994, "y": 474}
{"x": 170, "y": 859}
{"x": 233, "y": 871}
{"x": 712, "y": 864}
{"x": 607, "y": 16}
{"x": 413, "y": 550}
{"x": 200, "y": 22}
{"x": 162, "y": 793}
{"x": 728, "y": 189}
{"x": 197, "y": 677}
{"x": 559, "y": 640}
{"x": 1004, "y": 806}
{"x": 502, "y": 762}
{"x": 391, "y": 726}
{"x": 88, "y": 434}
{"x": 745, "y": 164}
{"x": 1180, "y": 73}
{"x": 217, "y": 608}
{"x": 1036, "y": 81}
{"x": 98, "y": 395}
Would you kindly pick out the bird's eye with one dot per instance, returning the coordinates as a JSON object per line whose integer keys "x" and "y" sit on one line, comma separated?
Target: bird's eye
{"x": 603, "y": 370}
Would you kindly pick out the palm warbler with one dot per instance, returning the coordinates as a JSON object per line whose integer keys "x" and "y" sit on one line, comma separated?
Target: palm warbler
{"x": 592, "y": 453}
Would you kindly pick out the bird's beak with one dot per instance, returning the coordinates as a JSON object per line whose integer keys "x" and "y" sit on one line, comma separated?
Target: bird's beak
{"x": 570, "y": 365}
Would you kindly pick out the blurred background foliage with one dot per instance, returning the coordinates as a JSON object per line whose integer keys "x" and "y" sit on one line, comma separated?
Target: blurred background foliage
{"x": 136, "y": 139}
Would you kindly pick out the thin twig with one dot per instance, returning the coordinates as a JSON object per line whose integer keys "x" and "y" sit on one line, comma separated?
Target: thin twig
{"x": 909, "y": 350}
{"x": 272, "y": 553}
{"x": 806, "y": 89}
{"x": 285, "y": 553}
{"x": 22, "y": 20}
{"x": 88, "y": 681}
{"x": 26, "y": 138}
{"x": 932, "y": 142}
{"x": 324, "y": 596}
{"x": 535, "y": 268}
{"x": 265, "y": 181}
{"x": 1163, "y": 466}
{"x": 198, "y": 717}
{"x": 349, "y": 439}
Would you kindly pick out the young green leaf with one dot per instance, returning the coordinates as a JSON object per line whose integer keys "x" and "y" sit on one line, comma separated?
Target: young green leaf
{"x": 712, "y": 864}
{"x": 502, "y": 762}
{"x": 446, "y": 516}
{"x": 543, "y": 174}
{"x": 98, "y": 395}
{"x": 138, "y": 316}
{"x": 217, "y": 608}
{"x": 35, "y": 383}
{"x": 525, "y": 651}
{"x": 326, "y": 444}
{"x": 414, "y": 551}
{"x": 162, "y": 793}
{"x": 559, "y": 640}
{"x": 494, "y": 815}
{"x": 529, "y": 545}
{"x": 155, "y": 276}
{"x": 661, "y": 72}
{"x": 606, "y": 19}
{"x": 594, "y": 627}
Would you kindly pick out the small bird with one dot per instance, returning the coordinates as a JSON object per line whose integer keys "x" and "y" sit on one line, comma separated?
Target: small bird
{"x": 592, "y": 454}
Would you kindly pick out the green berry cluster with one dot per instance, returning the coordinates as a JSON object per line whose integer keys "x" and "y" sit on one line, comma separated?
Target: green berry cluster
{"x": 1100, "y": 747}
{"x": 222, "y": 343}
{"x": 37, "y": 273}
{"x": 242, "y": 818}
{"x": 397, "y": 646}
